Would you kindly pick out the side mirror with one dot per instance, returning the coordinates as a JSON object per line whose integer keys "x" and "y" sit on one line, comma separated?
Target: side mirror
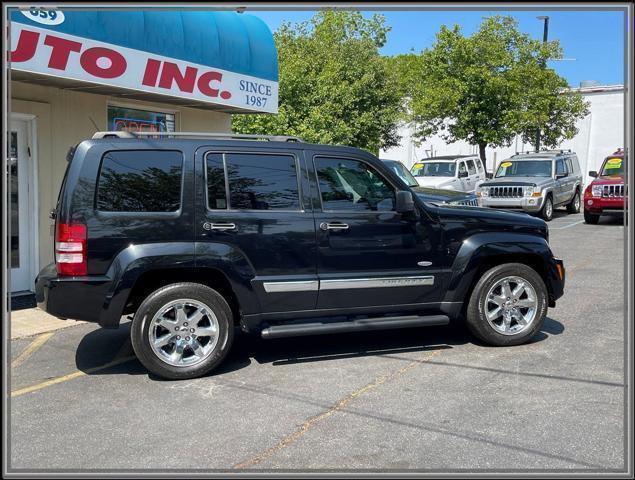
{"x": 489, "y": 175}
{"x": 593, "y": 174}
{"x": 462, "y": 174}
{"x": 404, "y": 202}
{"x": 560, "y": 175}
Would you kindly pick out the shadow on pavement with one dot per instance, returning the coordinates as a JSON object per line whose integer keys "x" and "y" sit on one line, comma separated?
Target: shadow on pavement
{"x": 102, "y": 346}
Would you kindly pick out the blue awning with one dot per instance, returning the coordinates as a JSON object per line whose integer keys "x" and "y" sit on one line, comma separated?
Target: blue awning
{"x": 239, "y": 43}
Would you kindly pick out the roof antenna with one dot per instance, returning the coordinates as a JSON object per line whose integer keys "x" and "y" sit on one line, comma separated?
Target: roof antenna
{"x": 94, "y": 123}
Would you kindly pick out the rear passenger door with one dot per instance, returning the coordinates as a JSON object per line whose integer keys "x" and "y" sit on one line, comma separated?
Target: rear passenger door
{"x": 571, "y": 179}
{"x": 561, "y": 181}
{"x": 254, "y": 219}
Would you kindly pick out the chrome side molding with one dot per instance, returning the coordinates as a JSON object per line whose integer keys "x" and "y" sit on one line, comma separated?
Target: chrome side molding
{"x": 293, "y": 286}
{"x": 346, "y": 283}
{"x": 376, "y": 282}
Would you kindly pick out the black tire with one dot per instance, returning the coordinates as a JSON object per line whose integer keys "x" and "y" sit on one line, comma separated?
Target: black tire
{"x": 546, "y": 213}
{"x": 475, "y": 315}
{"x": 591, "y": 218}
{"x": 574, "y": 205}
{"x": 141, "y": 324}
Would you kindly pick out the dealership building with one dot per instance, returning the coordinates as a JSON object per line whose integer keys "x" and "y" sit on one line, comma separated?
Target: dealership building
{"x": 76, "y": 72}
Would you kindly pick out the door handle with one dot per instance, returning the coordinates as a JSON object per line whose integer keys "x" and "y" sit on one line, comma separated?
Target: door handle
{"x": 333, "y": 226}
{"x": 221, "y": 227}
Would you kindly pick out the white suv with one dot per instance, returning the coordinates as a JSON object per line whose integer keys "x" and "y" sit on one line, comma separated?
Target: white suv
{"x": 454, "y": 172}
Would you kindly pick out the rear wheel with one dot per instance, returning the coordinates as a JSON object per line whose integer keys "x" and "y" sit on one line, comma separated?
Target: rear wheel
{"x": 508, "y": 305}
{"x": 183, "y": 330}
{"x": 574, "y": 206}
{"x": 547, "y": 209}
{"x": 591, "y": 218}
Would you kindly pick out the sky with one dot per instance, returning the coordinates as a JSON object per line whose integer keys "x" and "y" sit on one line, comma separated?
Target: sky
{"x": 593, "y": 41}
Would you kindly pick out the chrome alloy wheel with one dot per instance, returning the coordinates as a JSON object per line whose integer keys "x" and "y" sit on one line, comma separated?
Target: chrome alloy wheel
{"x": 511, "y": 305}
{"x": 183, "y": 332}
{"x": 548, "y": 208}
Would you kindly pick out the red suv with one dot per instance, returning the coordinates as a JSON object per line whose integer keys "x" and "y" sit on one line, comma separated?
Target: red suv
{"x": 605, "y": 194}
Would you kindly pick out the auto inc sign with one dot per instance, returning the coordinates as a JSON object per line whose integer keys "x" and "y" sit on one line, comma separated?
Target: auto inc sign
{"x": 46, "y": 52}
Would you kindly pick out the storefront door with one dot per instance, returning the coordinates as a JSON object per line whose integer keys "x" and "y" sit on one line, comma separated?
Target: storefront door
{"x": 21, "y": 239}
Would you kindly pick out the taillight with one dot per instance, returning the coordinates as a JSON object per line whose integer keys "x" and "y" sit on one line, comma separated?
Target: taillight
{"x": 70, "y": 249}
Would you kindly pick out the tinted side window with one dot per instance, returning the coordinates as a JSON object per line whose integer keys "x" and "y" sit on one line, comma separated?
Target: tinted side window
{"x": 470, "y": 167}
{"x": 479, "y": 165}
{"x": 352, "y": 185}
{"x": 569, "y": 165}
{"x": 262, "y": 182}
{"x": 216, "y": 191}
{"x": 560, "y": 167}
{"x": 140, "y": 181}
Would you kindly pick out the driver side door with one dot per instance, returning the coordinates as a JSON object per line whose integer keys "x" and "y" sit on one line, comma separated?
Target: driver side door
{"x": 464, "y": 179}
{"x": 368, "y": 254}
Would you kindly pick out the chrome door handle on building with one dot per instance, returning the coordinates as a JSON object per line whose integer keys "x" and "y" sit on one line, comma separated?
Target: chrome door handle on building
{"x": 333, "y": 226}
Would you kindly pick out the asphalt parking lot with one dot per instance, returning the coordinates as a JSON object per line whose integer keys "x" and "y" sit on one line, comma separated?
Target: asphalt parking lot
{"x": 417, "y": 399}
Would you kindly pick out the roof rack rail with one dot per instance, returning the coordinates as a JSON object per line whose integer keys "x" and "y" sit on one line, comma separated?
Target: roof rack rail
{"x": 221, "y": 136}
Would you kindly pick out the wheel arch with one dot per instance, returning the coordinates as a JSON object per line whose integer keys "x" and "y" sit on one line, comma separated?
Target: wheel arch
{"x": 485, "y": 251}
{"x": 153, "y": 279}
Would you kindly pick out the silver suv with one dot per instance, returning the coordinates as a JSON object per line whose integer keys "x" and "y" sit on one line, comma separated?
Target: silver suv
{"x": 535, "y": 182}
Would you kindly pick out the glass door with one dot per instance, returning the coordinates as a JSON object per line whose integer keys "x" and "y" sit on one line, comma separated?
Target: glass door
{"x": 20, "y": 237}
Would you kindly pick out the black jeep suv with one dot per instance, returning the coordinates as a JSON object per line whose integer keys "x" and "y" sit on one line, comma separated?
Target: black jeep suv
{"x": 194, "y": 234}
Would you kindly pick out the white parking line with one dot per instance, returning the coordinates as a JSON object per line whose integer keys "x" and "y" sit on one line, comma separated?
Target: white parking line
{"x": 567, "y": 226}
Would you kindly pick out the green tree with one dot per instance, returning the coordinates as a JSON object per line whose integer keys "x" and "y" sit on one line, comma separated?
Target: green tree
{"x": 488, "y": 88}
{"x": 334, "y": 87}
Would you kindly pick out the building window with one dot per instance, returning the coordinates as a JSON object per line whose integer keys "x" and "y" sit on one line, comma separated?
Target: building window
{"x": 140, "y": 181}
{"x": 134, "y": 120}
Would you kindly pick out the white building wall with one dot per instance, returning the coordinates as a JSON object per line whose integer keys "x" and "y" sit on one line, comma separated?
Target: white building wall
{"x": 600, "y": 134}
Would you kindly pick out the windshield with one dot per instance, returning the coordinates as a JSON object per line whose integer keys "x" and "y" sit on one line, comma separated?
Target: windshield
{"x": 526, "y": 168}
{"x": 434, "y": 169}
{"x": 403, "y": 173}
{"x": 613, "y": 166}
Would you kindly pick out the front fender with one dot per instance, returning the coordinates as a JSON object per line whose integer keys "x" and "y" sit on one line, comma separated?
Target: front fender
{"x": 501, "y": 247}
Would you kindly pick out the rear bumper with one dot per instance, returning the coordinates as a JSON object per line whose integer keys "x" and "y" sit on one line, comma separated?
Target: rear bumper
{"x": 76, "y": 298}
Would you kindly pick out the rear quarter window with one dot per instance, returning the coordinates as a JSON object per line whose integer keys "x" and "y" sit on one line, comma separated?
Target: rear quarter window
{"x": 140, "y": 181}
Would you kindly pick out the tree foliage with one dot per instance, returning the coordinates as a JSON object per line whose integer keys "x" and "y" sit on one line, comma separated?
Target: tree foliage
{"x": 334, "y": 87}
{"x": 488, "y": 88}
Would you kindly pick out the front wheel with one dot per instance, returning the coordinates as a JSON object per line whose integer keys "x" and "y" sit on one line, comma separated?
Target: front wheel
{"x": 574, "y": 206}
{"x": 547, "y": 210}
{"x": 508, "y": 305}
{"x": 183, "y": 330}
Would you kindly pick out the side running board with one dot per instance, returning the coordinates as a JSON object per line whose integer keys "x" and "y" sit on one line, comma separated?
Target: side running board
{"x": 364, "y": 324}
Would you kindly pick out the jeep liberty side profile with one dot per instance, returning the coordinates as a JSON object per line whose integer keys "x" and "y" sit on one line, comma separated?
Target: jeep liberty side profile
{"x": 196, "y": 234}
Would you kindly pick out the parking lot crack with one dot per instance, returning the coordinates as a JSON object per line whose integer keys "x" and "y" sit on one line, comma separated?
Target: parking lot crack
{"x": 339, "y": 405}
